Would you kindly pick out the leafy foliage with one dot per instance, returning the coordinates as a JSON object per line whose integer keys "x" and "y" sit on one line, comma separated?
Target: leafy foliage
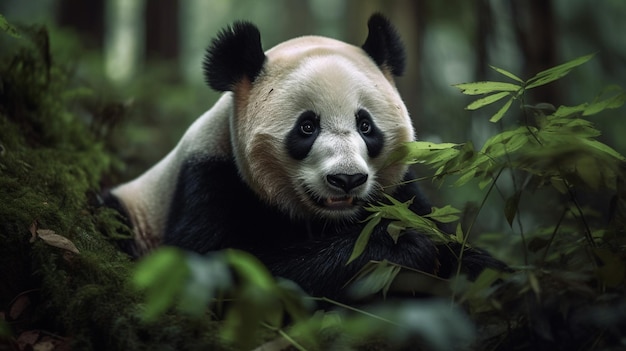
{"x": 578, "y": 260}
{"x": 573, "y": 266}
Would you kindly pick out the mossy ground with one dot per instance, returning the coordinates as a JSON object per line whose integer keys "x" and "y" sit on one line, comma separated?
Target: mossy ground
{"x": 52, "y": 161}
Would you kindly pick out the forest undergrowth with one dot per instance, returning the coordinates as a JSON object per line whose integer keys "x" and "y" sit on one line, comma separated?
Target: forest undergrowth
{"x": 64, "y": 284}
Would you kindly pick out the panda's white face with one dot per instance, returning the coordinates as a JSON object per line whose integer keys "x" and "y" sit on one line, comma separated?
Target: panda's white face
{"x": 315, "y": 129}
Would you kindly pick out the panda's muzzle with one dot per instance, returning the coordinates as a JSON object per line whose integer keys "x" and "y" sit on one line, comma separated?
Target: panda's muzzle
{"x": 346, "y": 183}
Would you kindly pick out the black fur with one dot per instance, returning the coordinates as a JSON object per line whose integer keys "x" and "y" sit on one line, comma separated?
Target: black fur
{"x": 299, "y": 144}
{"x": 384, "y": 46}
{"x": 375, "y": 138}
{"x": 213, "y": 209}
{"x": 235, "y": 54}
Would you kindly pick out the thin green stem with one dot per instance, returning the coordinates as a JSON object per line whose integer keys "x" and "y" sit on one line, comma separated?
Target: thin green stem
{"x": 469, "y": 230}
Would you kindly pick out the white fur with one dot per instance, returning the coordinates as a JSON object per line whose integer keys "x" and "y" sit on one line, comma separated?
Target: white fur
{"x": 147, "y": 198}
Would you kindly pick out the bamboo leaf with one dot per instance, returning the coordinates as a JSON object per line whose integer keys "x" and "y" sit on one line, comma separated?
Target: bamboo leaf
{"x": 486, "y": 87}
{"x": 487, "y": 100}
{"x": 445, "y": 214}
{"x": 498, "y": 116}
{"x": 364, "y": 237}
{"x": 8, "y": 27}
{"x": 604, "y": 148}
{"x": 511, "y": 206}
{"x": 506, "y": 73}
{"x": 554, "y": 73}
{"x": 609, "y": 103}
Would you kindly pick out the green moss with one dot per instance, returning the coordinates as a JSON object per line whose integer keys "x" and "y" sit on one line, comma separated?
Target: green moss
{"x": 51, "y": 165}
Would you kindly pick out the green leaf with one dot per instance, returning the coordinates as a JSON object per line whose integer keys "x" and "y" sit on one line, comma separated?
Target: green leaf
{"x": 566, "y": 111}
{"x": 445, "y": 214}
{"x": 612, "y": 102}
{"x": 489, "y": 99}
{"x": 364, "y": 236}
{"x": 557, "y": 72}
{"x": 511, "y": 206}
{"x": 394, "y": 229}
{"x": 603, "y": 148}
{"x": 422, "y": 151}
{"x": 506, "y": 73}
{"x": 8, "y": 28}
{"x": 162, "y": 275}
{"x": 498, "y": 116}
{"x": 478, "y": 88}
{"x": 459, "y": 233}
{"x": 373, "y": 278}
{"x": 207, "y": 277}
{"x": 250, "y": 269}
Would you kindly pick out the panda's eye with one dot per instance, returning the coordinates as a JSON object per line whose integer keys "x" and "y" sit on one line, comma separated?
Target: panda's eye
{"x": 365, "y": 127}
{"x": 307, "y": 127}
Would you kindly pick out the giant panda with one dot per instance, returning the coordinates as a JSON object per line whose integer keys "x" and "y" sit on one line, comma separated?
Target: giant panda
{"x": 285, "y": 161}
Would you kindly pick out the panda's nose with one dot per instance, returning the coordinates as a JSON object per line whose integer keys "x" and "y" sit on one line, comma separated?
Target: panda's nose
{"x": 346, "y": 182}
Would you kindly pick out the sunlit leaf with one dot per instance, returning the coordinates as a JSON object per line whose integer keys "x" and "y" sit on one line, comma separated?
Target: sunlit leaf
{"x": 506, "y": 73}
{"x": 459, "y": 233}
{"x": 421, "y": 151}
{"x": 489, "y": 99}
{"x": 566, "y": 111}
{"x": 445, "y": 214}
{"x": 556, "y": 72}
{"x": 498, "y": 115}
{"x": 483, "y": 183}
{"x": 478, "y": 88}
{"x": 612, "y": 102}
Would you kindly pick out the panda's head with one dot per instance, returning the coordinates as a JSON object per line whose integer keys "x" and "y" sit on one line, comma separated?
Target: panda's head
{"x": 314, "y": 119}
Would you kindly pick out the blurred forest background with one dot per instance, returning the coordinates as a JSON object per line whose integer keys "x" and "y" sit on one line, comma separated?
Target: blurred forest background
{"x": 146, "y": 56}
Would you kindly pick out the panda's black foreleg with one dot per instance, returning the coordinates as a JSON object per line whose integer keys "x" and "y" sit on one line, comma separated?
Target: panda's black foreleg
{"x": 320, "y": 267}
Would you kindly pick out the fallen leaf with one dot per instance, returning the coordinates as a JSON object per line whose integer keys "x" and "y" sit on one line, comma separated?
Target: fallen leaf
{"x": 43, "y": 346}
{"x": 27, "y": 338}
{"x": 18, "y": 306}
{"x": 53, "y": 239}
{"x": 33, "y": 231}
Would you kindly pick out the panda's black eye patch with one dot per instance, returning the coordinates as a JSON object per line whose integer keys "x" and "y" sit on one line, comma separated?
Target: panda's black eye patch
{"x": 300, "y": 139}
{"x": 373, "y": 137}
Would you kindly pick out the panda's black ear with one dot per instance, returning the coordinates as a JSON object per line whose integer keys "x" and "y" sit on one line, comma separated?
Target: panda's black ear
{"x": 384, "y": 46}
{"x": 235, "y": 54}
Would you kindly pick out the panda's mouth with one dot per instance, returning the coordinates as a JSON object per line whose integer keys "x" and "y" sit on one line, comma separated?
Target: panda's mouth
{"x": 338, "y": 202}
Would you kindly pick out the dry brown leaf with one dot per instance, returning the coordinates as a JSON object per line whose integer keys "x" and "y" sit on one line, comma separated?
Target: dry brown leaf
{"x": 27, "y": 338}
{"x": 33, "y": 231}
{"x": 44, "y": 346}
{"x": 18, "y": 306}
{"x": 53, "y": 239}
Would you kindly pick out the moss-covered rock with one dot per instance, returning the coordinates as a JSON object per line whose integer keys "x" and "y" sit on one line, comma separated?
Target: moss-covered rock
{"x": 51, "y": 165}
